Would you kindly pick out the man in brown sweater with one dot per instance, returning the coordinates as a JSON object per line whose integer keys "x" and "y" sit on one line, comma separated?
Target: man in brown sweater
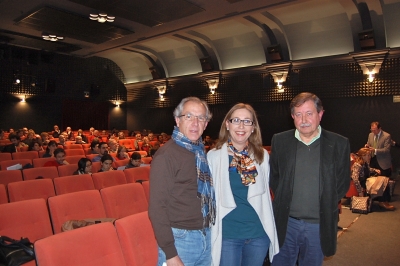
{"x": 177, "y": 208}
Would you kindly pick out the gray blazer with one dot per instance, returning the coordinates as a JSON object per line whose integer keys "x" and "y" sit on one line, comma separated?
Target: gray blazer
{"x": 383, "y": 150}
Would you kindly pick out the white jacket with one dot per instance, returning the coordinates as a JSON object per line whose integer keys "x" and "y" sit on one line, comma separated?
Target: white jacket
{"x": 258, "y": 197}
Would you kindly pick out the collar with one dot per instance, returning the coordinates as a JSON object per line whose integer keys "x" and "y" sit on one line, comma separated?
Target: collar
{"x": 297, "y": 136}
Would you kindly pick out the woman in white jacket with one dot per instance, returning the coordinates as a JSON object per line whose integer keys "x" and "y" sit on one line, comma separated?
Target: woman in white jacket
{"x": 244, "y": 226}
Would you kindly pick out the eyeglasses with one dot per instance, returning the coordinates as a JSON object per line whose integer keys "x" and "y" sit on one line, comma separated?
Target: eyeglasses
{"x": 190, "y": 117}
{"x": 237, "y": 121}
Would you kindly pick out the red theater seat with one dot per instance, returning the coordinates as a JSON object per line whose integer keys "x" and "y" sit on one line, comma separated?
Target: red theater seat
{"x": 73, "y": 183}
{"x": 31, "y": 189}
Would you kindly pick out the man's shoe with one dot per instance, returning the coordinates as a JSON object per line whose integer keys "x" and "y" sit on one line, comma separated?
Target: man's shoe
{"x": 386, "y": 206}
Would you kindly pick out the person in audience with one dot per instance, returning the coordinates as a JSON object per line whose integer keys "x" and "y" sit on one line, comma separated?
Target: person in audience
{"x": 11, "y": 131}
{"x": 25, "y": 132}
{"x": 44, "y": 136}
{"x": 2, "y": 134}
{"x": 121, "y": 135}
{"x": 51, "y": 147}
{"x": 91, "y": 131}
{"x": 31, "y": 137}
{"x": 106, "y": 162}
{"x": 35, "y": 145}
{"x": 103, "y": 150}
{"x": 122, "y": 153}
{"x": 182, "y": 200}
{"x": 83, "y": 136}
{"x": 361, "y": 171}
{"x": 146, "y": 146}
{"x": 153, "y": 151}
{"x": 94, "y": 147}
{"x": 20, "y": 133}
{"x": 70, "y": 134}
{"x": 207, "y": 141}
{"x": 84, "y": 167}
{"x": 96, "y": 134}
{"x": 138, "y": 138}
{"x": 61, "y": 140}
{"x": 113, "y": 146}
{"x": 379, "y": 142}
{"x": 15, "y": 144}
{"x": 135, "y": 161}
{"x": 56, "y": 132}
{"x": 160, "y": 139}
{"x": 165, "y": 138}
{"x": 150, "y": 136}
{"x": 78, "y": 140}
{"x": 244, "y": 228}
{"x": 114, "y": 134}
{"x": 59, "y": 155}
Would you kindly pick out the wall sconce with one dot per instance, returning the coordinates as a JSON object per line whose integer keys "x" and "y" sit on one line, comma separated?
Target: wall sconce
{"x": 280, "y": 88}
{"x": 117, "y": 103}
{"x": 161, "y": 92}
{"x": 23, "y": 99}
{"x": 212, "y": 80}
{"x": 86, "y": 94}
{"x": 212, "y": 85}
{"x": 370, "y": 62}
{"x": 279, "y": 72}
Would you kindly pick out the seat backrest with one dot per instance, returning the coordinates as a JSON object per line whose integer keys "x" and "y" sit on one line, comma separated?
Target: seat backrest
{"x": 25, "y": 155}
{"x": 7, "y": 163}
{"x": 73, "y": 146}
{"x": 108, "y": 179}
{"x": 3, "y": 194}
{"x": 95, "y": 245}
{"x": 10, "y": 176}
{"x": 31, "y": 189}
{"x": 74, "y": 159}
{"x": 27, "y": 218}
{"x": 5, "y": 156}
{"x": 74, "y": 152}
{"x": 73, "y": 183}
{"x": 68, "y": 169}
{"x": 75, "y": 206}
{"x": 39, "y": 162}
{"x": 134, "y": 231}
{"x": 96, "y": 166}
{"x": 119, "y": 163}
{"x": 123, "y": 200}
{"x": 137, "y": 173}
{"x": 146, "y": 189}
{"x": 147, "y": 160}
{"x": 45, "y": 172}
{"x": 91, "y": 156}
{"x": 128, "y": 143}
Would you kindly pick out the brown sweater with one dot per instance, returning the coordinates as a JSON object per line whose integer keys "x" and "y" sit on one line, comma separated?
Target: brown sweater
{"x": 173, "y": 195}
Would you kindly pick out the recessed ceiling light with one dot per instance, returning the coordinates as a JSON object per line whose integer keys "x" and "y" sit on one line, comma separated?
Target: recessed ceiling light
{"x": 51, "y": 37}
{"x": 102, "y": 17}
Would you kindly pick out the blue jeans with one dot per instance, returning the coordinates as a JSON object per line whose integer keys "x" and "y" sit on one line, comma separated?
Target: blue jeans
{"x": 302, "y": 243}
{"x": 244, "y": 252}
{"x": 193, "y": 246}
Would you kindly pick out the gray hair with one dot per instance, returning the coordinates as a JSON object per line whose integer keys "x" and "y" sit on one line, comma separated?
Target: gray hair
{"x": 178, "y": 110}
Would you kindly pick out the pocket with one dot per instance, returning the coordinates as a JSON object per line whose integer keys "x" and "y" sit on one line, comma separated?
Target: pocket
{"x": 179, "y": 233}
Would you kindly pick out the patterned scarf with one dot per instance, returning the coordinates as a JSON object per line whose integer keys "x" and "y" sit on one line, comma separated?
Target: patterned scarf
{"x": 243, "y": 164}
{"x": 205, "y": 189}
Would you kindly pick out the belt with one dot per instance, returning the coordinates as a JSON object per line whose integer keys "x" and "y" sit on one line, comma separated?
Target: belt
{"x": 296, "y": 218}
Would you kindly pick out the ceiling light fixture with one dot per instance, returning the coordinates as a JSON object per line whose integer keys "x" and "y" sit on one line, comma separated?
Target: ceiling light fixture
{"x": 51, "y": 37}
{"x": 102, "y": 17}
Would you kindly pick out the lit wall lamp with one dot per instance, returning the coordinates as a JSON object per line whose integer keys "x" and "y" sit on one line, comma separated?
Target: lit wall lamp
{"x": 279, "y": 72}
{"x": 212, "y": 80}
{"x": 23, "y": 99}
{"x": 370, "y": 62}
{"x": 212, "y": 85}
{"x": 161, "y": 91}
{"x": 117, "y": 103}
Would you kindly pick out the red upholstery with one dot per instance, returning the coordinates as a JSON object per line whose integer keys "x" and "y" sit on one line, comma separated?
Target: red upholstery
{"x": 25, "y": 155}
{"x": 73, "y": 146}
{"x": 75, "y": 206}
{"x": 3, "y": 194}
{"x": 74, "y": 152}
{"x": 128, "y": 143}
{"x": 86, "y": 146}
{"x": 28, "y": 218}
{"x": 119, "y": 163}
{"x": 68, "y": 169}
{"x": 87, "y": 151}
{"x": 352, "y": 190}
{"x": 108, "y": 179}
{"x": 41, "y": 153}
{"x": 31, "y": 189}
{"x": 91, "y": 156}
{"x": 7, "y": 163}
{"x": 74, "y": 159}
{"x": 39, "y": 162}
{"x": 5, "y": 156}
{"x": 96, "y": 166}
{"x": 147, "y": 160}
{"x": 137, "y": 240}
{"x": 123, "y": 200}
{"x": 137, "y": 173}
{"x": 142, "y": 153}
{"x": 146, "y": 189}
{"x": 45, "y": 172}
{"x": 73, "y": 183}
{"x": 10, "y": 176}
{"x": 95, "y": 245}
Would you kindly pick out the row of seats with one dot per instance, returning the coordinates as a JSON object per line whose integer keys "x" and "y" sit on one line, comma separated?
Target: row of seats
{"x": 16, "y": 189}
{"x": 130, "y": 242}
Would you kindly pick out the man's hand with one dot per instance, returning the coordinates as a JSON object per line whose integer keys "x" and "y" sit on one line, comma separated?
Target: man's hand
{"x": 175, "y": 261}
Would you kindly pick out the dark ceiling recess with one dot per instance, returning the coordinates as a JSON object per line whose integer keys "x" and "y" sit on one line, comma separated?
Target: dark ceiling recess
{"x": 233, "y": 1}
{"x": 69, "y": 25}
{"x": 147, "y": 12}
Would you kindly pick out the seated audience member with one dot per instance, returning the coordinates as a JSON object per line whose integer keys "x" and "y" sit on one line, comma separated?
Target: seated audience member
{"x": 84, "y": 167}
{"x": 20, "y": 133}
{"x": 104, "y": 133}
{"x": 121, "y": 135}
{"x": 44, "y": 136}
{"x": 91, "y": 131}
{"x": 122, "y": 153}
{"x": 83, "y": 136}
{"x": 2, "y": 134}
{"x": 146, "y": 146}
{"x": 59, "y": 155}
{"x": 11, "y": 131}
{"x": 113, "y": 146}
{"x": 94, "y": 146}
{"x": 30, "y": 137}
{"x": 135, "y": 161}
{"x": 153, "y": 151}
{"x": 15, "y": 144}
{"x": 138, "y": 139}
{"x": 25, "y": 131}
{"x": 114, "y": 135}
{"x": 164, "y": 137}
{"x": 207, "y": 141}
{"x": 61, "y": 140}
{"x": 150, "y": 136}
{"x": 51, "y": 147}
{"x": 106, "y": 162}
{"x": 70, "y": 134}
{"x": 78, "y": 140}
{"x": 35, "y": 146}
{"x": 361, "y": 171}
{"x": 56, "y": 132}
{"x": 103, "y": 150}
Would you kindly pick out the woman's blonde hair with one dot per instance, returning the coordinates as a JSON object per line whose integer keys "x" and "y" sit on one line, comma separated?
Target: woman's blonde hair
{"x": 362, "y": 152}
{"x": 255, "y": 141}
